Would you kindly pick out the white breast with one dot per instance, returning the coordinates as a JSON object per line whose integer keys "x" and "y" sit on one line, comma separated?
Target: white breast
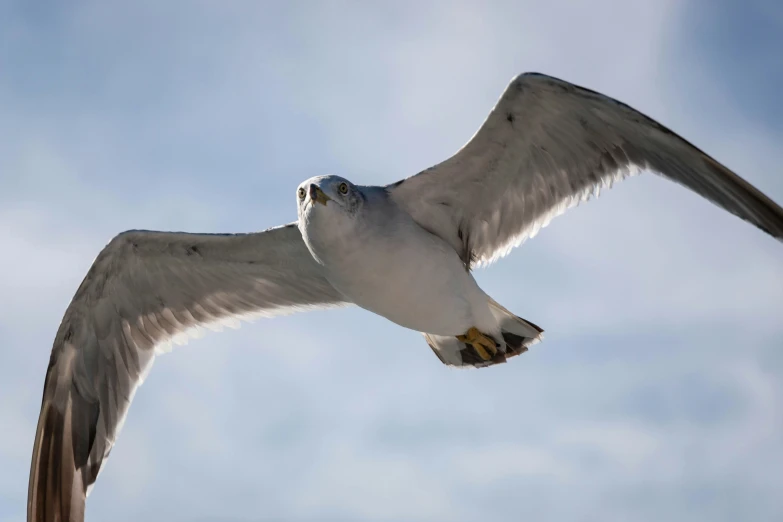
{"x": 397, "y": 270}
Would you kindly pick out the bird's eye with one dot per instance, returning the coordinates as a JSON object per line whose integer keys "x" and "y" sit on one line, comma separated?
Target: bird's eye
{"x": 301, "y": 192}
{"x": 343, "y": 188}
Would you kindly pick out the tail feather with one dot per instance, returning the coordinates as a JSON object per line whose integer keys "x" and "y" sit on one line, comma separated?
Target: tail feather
{"x": 515, "y": 325}
{"x": 518, "y": 335}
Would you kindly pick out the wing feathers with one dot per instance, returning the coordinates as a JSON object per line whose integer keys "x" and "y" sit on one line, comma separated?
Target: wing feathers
{"x": 144, "y": 290}
{"x": 548, "y": 145}
{"x": 60, "y": 455}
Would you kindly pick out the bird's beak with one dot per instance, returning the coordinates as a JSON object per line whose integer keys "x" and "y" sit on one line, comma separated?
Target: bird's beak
{"x": 317, "y": 195}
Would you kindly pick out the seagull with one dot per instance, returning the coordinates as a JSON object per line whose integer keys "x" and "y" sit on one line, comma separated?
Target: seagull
{"x": 404, "y": 251}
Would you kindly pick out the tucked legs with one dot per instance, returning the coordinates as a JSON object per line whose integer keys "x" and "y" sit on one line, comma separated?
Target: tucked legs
{"x": 485, "y": 346}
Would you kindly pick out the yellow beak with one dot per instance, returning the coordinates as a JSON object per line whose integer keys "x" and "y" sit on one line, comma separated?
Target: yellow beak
{"x": 317, "y": 195}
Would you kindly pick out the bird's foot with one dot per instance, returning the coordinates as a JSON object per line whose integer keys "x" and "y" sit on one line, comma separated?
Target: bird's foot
{"x": 485, "y": 347}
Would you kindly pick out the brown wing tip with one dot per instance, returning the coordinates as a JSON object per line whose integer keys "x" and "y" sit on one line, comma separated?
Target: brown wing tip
{"x": 55, "y": 490}
{"x": 765, "y": 214}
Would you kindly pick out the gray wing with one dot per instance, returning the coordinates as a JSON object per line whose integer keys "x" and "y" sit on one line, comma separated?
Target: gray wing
{"x": 546, "y": 146}
{"x": 143, "y": 290}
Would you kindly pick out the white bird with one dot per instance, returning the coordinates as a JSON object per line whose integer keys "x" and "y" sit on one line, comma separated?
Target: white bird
{"x": 404, "y": 251}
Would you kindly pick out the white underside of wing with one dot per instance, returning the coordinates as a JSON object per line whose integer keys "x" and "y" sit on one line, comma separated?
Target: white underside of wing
{"x": 233, "y": 322}
{"x": 584, "y": 195}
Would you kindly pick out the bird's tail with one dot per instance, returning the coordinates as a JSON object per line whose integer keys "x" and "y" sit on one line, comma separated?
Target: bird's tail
{"x": 518, "y": 335}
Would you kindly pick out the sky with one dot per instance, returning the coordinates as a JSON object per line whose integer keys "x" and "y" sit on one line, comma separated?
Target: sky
{"x": 657, "y": 392}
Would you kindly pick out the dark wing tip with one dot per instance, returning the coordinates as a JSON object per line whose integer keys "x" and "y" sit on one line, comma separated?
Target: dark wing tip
{"x": 756, "y": 207}
{"x": 59, "y": 472}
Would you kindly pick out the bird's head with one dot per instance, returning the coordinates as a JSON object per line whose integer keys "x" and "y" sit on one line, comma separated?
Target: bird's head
{"x": 328, "y": 195}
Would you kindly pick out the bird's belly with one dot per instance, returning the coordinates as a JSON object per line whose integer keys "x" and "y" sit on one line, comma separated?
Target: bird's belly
{"x": 423, "y": 287}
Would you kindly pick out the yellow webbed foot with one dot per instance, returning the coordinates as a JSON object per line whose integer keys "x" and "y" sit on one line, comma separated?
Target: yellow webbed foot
{"x": 485, "y": 346}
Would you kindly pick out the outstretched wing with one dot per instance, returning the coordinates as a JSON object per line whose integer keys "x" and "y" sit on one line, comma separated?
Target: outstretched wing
{"x": 546, "y": 146}
{"x": 143, "y": 290}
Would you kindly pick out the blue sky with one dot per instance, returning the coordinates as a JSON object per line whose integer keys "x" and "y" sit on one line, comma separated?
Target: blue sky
{"x": 658, "y": 391}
